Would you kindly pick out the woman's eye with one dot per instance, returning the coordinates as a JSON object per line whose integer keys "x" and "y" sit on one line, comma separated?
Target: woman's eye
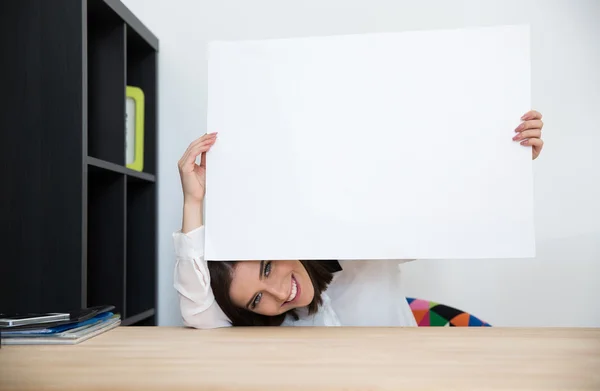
{"x": 268, "y": 269}
{"x": 256, "y": 300}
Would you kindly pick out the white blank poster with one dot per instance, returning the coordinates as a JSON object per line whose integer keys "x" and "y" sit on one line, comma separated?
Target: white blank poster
{"x": 376, "y": 146}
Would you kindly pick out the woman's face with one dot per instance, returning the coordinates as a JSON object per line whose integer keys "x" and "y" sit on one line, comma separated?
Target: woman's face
{"x": 271, "y": 287}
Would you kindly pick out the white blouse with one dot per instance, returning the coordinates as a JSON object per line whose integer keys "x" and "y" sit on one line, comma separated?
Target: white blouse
{"x": 364, "y": 293}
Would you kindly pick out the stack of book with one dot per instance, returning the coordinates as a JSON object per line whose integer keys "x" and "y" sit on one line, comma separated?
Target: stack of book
{"x": 57, "y": 328}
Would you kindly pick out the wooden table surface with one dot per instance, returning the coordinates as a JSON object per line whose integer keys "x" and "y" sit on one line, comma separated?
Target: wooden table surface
{"x": 282, "y": 358}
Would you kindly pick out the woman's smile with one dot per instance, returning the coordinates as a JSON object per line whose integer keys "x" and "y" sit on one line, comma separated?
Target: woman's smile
{"x": 294, "y": 291}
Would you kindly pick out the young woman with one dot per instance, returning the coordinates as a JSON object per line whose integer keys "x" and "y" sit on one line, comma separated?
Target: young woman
{"x": 296, "y": 292}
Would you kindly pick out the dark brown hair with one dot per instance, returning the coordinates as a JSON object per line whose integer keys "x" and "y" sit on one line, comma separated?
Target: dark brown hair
{"x": 221, "y": 274}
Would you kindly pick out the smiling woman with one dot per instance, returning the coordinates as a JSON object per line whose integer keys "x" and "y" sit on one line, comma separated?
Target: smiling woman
{"x": 287, "y": 292}
{"x": 264, "y": 293}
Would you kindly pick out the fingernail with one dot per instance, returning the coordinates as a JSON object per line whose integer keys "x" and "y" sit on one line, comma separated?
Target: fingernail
{"x": 517, "y": 137}
{"x": 524, "y": 142}
{"x": 519, "y": 128}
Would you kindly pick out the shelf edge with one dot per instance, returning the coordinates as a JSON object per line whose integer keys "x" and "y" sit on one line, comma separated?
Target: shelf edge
{"x": 130, "y": 19}
{"x": 138, "y": 317}
{"x": 99, "y": 163}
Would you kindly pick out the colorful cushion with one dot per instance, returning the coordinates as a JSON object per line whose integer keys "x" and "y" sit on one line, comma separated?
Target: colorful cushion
{"x": 428, "y": 313}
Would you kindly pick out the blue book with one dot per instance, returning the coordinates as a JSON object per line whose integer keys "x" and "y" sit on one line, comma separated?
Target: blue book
{"x": 68, "y": 337}
{"x": 41, "y": 332}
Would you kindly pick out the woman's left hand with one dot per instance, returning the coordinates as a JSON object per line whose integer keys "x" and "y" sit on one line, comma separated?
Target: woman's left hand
{"x": 529, "y": 132}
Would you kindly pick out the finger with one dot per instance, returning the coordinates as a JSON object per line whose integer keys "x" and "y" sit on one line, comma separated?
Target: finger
{"x": 531, "y": 133}
{"x": 189, "y": 159}
{"x": 200, "y": 140}
{"x": 531, "y": 124}
{"x": 532, "y": 114}
{"x": 199, "y": 149}
{"x": 205, "y": 137}
{"x": 533, "y": 142}
{"x": 203, "y": 158}
{"x": 195, "y": 143}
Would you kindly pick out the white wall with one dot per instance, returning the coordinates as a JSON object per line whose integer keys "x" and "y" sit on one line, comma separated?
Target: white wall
{"x": 558, "y": 288}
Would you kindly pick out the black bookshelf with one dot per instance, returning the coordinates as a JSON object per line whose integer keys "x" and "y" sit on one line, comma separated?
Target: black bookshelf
{"x": 78, "y": 226}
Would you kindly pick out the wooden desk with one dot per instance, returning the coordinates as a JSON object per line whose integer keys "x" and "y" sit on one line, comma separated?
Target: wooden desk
{"x": 315, "y": 359}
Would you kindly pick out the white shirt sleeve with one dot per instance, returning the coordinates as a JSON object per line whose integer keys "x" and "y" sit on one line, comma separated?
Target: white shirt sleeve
{"x": 192, "y": 282}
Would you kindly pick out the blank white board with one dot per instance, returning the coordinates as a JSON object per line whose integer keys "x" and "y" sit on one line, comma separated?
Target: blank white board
{"x": 375, "y": 146}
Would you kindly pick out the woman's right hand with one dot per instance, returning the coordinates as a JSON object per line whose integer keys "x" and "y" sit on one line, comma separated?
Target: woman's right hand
{"x": 193, "y": 176}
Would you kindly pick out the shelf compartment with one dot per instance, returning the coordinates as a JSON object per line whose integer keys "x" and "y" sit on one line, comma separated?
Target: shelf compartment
{"x": 106, "y": 83}
{"x": 141, "y": 73}
{"x": 106, "y": 239}
{"x": 141, "y": 247}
